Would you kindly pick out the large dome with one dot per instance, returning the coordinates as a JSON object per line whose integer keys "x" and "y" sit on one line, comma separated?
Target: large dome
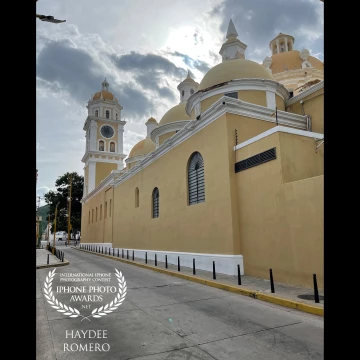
{"x": 234, "y": 69}
{"x": 176, "y": 113}
{"x": 143, "y": 147}
{"x": 106, "y": 95}
{"x": 290, "y": 60}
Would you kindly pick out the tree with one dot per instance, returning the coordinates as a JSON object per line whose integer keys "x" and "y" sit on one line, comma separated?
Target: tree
{"x": 60, "y": 196}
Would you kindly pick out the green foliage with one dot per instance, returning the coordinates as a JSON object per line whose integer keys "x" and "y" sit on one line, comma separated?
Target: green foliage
{"x": 60, "y": 197}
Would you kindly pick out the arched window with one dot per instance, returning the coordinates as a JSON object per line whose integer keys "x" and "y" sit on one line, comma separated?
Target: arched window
{"x": 110, "y": 209}
{"x": 92, "y": 216}
{"x": 137, "y": 197}
{"x": 96, "y": 214}
{"x": 107, "y": 114}
{"x": 191, "y": 91}
{"x": 105, "y": 214}
{"x": 155, "y": 203}
{"x": 96, "y": 112}
{"x": 196, "y": 179}
{"x": 89, "y": 216}
{"x": 100, "y": 212}
{"x": 101, "y": 145}
{"x": 116, "y": 116}
{"x": 183, "y": 93}
{"x": 112, "y": 147}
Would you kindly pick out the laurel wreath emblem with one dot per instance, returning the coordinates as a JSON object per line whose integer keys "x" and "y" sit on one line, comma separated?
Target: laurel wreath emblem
{"x": 96, "y": 313}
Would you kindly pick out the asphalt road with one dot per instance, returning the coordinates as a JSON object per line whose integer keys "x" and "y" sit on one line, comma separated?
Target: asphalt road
{"x": 163, "y": 317}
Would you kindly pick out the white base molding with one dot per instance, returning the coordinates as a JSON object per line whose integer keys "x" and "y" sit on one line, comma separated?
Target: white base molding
{"x": 224, "y": 264}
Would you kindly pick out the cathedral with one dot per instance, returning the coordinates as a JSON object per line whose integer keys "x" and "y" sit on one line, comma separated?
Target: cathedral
{"x": 234, "y": 173}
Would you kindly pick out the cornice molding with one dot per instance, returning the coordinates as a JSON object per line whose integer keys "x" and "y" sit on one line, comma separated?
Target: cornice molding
{"x": 166, "y": 128}
{"x": 108, "y": 181}
{"x": 232, "y": 106}
{"x": 300, "y": 72}
{"x": 305, "y": 93}
{"x": 134, "y": 159}
{"x": 237, "y": 85}
{"x": 101, "y": 153}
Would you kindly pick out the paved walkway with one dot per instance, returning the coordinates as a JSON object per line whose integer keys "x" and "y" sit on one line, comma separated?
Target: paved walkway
{"x": 41, "y": 258}
{"x": 286, "y": 291}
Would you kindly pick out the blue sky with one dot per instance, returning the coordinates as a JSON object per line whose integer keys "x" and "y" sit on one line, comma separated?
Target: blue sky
{"x": 144, "y": 50}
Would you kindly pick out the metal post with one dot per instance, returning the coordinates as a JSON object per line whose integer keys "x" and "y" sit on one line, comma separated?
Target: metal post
{"x": 194, "y": 272}
{"x": 272, "y": 281}
{"x": 118, "y": 252}
{"x": 69, "y": 213}
{"x": 155, "y": 260}
{"x": 62, "y": 257}
{"x": 102, "y": 249}
{"x": 127, "y": 254}
{"x": 48, "y": 259}
{"x": 239, "y": 275}
{"x": 316, "y": 292}
{"x": 214, "y": 273}
{"x": 133, "y": 255}
{"x": 113, "y": 251}
{"x": 166, "y": 262}
{"x": 122, "y": 253}
{"x": 145, "y": 257}
{"x": 178, "y": 263}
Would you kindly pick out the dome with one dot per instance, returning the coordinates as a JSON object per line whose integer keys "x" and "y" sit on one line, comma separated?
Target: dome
{"x": 143, "y": 147}
{"x": 151, "y": 120}
{"x": 234, "y": 69}
{"x": 176, "y": 113}
{"x": 107, "y": 95}
{"x": 291, "y": 60}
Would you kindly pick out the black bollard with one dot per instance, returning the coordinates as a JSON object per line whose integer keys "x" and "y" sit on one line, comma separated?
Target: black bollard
{"x": 122, "y": 253}
{"x": 194, "y": 272}
{"x": 133, "y": 256}
{"x": 166, "y": 261}
{"x": 316, "y": 291}
{"x": 62, "y": 257}
{"x": 127, "y": 254}
{"x": 102, "y": 249}
{"x": 145, "y": 257}
{"x": 118, "y": 251}
{"x": 214, "y": 273}
{"x": 272, "y": 281}
{"x": 178, "y": 263}
{"x": 155, "y": 260}
{"x": 113, "y": 251}
{"x": 48, "y": 259}
{"x": 239, "y": 275}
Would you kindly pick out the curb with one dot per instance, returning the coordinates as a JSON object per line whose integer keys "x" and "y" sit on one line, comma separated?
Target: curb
{"x": 311, "y": 309}
{"x": 53, "y": 265}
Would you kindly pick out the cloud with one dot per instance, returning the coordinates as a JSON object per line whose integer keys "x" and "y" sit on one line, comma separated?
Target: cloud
{"x": 258, "y": 22}
{"x": 200, "y": 65}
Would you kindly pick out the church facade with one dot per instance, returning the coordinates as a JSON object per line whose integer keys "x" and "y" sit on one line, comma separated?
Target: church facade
{"x": 233, "y": 173}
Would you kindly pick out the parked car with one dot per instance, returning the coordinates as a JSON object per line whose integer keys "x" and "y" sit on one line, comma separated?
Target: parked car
{"x": 61, "y": 235}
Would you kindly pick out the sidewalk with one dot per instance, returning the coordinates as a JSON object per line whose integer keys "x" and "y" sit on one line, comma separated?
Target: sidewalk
{"x": 41, "y": 259}
{"x": 285, "y": 294}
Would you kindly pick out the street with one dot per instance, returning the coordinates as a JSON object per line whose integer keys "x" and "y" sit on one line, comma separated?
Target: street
{"x": 163, "y": 317}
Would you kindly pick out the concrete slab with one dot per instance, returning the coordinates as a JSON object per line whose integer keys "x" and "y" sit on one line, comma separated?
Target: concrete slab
{"x": 126, "y": 333}
{"x": 288, "y": 342}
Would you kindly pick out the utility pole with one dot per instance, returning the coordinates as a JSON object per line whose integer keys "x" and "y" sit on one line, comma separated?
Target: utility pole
{"x": 37, "y": 220}
{"x": 69, "y": 211}
{"x": 48, "y": 237}
{"x": 53, "y": 250}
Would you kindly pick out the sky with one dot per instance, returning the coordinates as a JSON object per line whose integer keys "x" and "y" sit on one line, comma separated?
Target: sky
{"x": 144, "y": 49}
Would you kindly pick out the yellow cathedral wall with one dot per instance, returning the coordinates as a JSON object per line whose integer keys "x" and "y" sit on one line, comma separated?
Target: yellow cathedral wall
{"x": 102, "y": 171}
{"x": 313, "y": 106}
{"x": 281, "y": 211}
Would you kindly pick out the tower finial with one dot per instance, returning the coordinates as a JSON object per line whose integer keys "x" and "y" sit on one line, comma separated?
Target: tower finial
{"x": 188, "y": 74}
{"x": 105, "y": 85}
{"x": 231, "y": 33}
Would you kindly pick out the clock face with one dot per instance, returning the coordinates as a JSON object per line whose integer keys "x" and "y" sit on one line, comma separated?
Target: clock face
{"x": 107, "y": 131}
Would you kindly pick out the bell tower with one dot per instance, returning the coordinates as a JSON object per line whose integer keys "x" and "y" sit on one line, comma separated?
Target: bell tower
{"x": 104, "y": 131}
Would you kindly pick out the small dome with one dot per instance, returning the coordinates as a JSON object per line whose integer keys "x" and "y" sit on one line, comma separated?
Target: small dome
{"x": 143, "y": 147}
{"x": 151, "y": 120}
{"x": 234, "y": 69}
{"x": 176, "y": 113}
{"x": 107, "y": 95}
{"x": 291, "y": 60}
